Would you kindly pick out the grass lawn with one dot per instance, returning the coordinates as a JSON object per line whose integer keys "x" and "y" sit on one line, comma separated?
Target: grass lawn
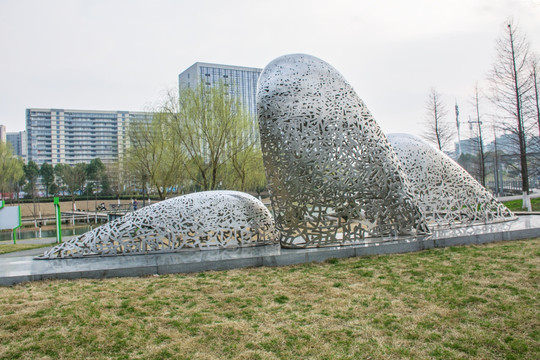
{"x": 475, "y": 302}
{"x": 515, "y": 205}
{"x": 8, "y": 248}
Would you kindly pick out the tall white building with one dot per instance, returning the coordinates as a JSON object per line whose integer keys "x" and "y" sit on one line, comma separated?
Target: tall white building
{"x": 78, "y": 136}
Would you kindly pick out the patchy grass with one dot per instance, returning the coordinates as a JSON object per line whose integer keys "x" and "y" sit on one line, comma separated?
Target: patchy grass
{"x": 515, "y": 205}
{"x": 476, "y": 302}
{"x": 9, "y": 248}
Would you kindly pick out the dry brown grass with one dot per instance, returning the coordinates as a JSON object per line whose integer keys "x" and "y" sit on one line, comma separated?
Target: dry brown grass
{"x": 477, "y": 302}
{"x": 9, "y": 248}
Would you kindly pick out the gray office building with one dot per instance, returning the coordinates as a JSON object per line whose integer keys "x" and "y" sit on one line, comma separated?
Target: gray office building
{"x": 242, "y": 81}
{"x": 77, "y": 136}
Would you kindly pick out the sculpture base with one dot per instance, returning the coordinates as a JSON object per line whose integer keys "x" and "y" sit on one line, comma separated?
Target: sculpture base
{"x": 15, "y": 270}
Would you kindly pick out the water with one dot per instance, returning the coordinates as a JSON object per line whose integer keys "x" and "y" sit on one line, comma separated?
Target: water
{"x": 33, "y": 234}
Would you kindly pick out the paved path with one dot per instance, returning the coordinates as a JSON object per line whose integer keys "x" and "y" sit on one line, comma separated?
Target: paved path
{"x": 535, "y": 194}
{"x": 31, "y": 252}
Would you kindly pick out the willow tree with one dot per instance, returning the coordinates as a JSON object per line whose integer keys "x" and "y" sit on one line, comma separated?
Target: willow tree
{"x": 11, "y": 169}
{"x": 247, "y": 170}
{"x": 216, "y": 133}
{"x": 154, "y": 155}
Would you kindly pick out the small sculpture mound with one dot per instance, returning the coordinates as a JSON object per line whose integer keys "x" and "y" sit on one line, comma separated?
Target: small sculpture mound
{"x": 332, "y": 175}
{"x": 205, "y": 220}
{"x": 446, "y": 193}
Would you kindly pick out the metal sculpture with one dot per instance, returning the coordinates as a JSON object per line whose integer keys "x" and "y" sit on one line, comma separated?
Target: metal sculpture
{"x": 205, "y": 220}
{"x": 332, "y": 175}
{"x": 446, "y": 193}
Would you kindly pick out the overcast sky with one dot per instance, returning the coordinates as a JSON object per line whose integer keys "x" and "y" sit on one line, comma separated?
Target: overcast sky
{"x": 124, "y": 54}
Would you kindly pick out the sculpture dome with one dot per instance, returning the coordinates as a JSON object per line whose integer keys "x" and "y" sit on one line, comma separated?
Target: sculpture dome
{"x": 332, "y": 175}
{"x": 205, "y": 220}
{"x": 446, "y": 193}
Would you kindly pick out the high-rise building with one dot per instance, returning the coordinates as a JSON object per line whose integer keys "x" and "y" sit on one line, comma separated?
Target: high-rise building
{"x": 2, "y": 133}
{"x": 77, "y": 136}
{"x": 18, "y": 143}
{"x": 241, "y": 81}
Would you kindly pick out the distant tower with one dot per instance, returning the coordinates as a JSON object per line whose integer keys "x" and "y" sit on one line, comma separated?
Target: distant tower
{"x": 3, "y": 133}
{"x": 458, "y": 135}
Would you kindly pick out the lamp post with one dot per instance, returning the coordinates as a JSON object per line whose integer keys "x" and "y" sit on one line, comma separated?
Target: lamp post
{"x": 481, "y": 145}
{"x": 95, "y": 200}
{"x": 143, "y": 190}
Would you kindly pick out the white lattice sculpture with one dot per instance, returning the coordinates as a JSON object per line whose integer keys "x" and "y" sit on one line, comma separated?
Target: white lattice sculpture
{"x": 211, "y": 219}
{"x": 332, "y": 175}
{"x": 446, "y": 193}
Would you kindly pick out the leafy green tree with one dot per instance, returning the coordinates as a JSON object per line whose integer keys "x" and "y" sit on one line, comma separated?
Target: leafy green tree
{"x": 11, "y": 169}
{"x": 31, "y": 173}
{"x": 46, "y": 171}
{"x": 58, "y": 171}
{"x": 74, "y": 177}
{"x": 54, "y": 189}
{"x": 95, "y": 172}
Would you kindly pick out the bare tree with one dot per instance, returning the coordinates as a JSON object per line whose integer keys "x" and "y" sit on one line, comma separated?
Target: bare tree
{"x": 439, "y": 131}
{"x": 535, "y": 70}
{"x": 535, "y": 145}
{"x": 510, "y": 85}
{"x": 476, "y": 128}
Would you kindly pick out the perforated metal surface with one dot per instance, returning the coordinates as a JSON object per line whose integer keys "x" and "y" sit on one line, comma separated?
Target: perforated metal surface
{"x": 446, "y": 193}
{"x": 211, "y": 219}
{"x": 332, "y": 175}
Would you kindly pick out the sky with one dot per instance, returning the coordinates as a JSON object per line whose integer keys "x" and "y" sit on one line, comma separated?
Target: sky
{"x": 126, "y": 54}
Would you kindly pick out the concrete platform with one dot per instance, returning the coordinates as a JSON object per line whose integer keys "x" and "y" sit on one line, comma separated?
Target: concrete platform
{"x": 17, "y": 269}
